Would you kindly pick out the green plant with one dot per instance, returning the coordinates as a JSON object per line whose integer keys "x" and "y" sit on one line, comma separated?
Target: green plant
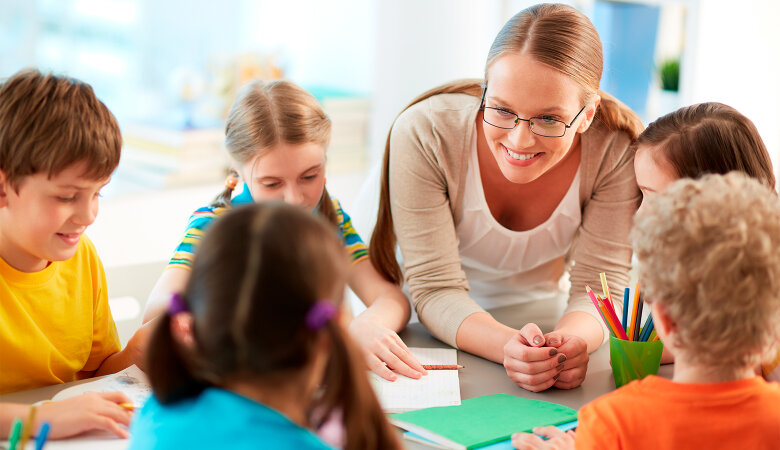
{"x": 670, "y": 75}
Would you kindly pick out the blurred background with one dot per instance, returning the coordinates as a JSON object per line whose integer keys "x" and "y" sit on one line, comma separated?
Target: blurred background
{"x": 168, "y": 69}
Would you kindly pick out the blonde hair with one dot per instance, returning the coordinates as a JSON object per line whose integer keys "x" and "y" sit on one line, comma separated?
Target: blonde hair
{"x": 264, "y": 115}
{"x": 563, "y": 38}
{"x": 49, "y": 122}
{"x": 708, "y": 253}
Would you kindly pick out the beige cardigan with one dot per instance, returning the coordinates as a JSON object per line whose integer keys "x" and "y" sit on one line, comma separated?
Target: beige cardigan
{"x": 429, "y": 149}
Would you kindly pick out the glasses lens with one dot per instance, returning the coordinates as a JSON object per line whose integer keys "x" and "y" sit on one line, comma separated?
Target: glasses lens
{"x": 547, "y": 127}
{"x": 499, "y": 118}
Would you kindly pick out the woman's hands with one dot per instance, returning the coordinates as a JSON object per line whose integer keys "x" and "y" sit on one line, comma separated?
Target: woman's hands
{"x": 383, "y": 350}
{"x": 556, "y": 439}
{"x": 536, "y": 361}
{"x": 86, "y": 412}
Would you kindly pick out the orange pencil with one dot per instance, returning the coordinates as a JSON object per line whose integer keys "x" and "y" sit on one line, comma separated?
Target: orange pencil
{"x": 605, "y": 313}
{"x": 632, "y": 322}
{"x": 614, "y": 321}
{"x": 442, "y": 366}
{"x": 128, "y": 406}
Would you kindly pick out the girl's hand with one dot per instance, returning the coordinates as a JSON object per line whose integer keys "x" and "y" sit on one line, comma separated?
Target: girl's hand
{"x": 531, "y": 362}
{"x": 576, "y": 365}
{"x": 86, "y": 412}
{"x": 556, "y": 439}
{"x": 384, "y": 351}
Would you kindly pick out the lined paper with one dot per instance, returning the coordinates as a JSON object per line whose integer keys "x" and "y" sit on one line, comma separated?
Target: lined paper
{"x": 438, "y": 388}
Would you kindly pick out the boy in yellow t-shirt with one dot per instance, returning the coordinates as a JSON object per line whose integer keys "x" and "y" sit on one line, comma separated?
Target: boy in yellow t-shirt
{"x": 58, "y": 147}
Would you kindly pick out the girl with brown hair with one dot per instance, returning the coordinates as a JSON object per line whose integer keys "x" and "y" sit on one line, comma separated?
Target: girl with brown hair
{"x": 253, "y": 354}
{"x": 486, "y": 185}
{"x": 696, "y": 140}
{"x": 277, "y": 136}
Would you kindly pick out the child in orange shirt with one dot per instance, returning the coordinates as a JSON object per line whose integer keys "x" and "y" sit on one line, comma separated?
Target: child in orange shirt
{"x": 709, "y": 264}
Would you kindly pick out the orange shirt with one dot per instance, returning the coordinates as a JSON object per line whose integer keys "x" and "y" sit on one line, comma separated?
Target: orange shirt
{"x": 656, "y": 413}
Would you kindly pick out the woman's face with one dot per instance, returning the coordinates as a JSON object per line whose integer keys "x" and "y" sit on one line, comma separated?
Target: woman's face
{"x": 519, "y": 84}
{"x": 293, "y": 173}
{"x": 653, "y": 171}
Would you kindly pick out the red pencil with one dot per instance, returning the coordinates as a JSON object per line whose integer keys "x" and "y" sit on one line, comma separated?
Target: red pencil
{"x": 442, "y": 366}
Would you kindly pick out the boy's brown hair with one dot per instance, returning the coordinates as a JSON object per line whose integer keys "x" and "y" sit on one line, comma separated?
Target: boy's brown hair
{"x": 49, "y": 122}
{"x": 708, "y": 253}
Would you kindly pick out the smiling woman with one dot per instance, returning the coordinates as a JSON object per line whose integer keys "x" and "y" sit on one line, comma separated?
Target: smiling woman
{"x": 486, "y": 184}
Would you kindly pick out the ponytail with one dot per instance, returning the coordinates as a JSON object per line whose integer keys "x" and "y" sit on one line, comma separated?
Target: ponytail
{"x": 167, "y": 369}
{"x": 382, "y": 246}
{"x": 348, "y": 390}
{"x": 224, "y": 199}
{"x": 325, "y": 208}
{"x": 617, "y": 116}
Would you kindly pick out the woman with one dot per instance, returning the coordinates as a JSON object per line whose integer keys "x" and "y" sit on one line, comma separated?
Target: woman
{"x": 486, "y": 185}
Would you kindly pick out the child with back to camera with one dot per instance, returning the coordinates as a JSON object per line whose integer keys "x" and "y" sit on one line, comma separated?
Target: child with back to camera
{"x": 253, "y": 353}
{"x": 710, "y": 268}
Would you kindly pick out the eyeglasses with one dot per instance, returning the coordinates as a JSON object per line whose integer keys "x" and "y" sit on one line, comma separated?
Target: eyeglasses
{"x": 540, "y": 126}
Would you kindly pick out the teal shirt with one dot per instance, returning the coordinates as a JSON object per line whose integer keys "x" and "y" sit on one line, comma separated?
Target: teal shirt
{"x": 217, "y": 418}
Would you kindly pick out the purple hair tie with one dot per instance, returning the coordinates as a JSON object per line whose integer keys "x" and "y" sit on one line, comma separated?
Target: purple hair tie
{"x": 319, "y": 314}
{"x": 177, "y": 305}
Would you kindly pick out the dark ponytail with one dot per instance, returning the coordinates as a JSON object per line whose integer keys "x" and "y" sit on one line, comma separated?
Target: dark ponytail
{"x": 167, "y": 367}
{"x": 224, "y": 199}
{"x": 347, "y": 389}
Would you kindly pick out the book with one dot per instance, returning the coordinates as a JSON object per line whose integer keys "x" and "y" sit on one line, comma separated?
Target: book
{"x": 438, "y": 388}
{"x": 482, "y": 421}
{"x": 131, "y": 381}
{"x": 501, "y": 445}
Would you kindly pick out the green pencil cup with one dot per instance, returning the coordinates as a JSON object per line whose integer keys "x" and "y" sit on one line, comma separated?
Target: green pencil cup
{"x": 633, "y": 360}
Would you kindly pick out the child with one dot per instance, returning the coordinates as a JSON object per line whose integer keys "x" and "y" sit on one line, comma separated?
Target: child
{"x": 709, "y": 264}
{"x": 253, "y": 353}
{"x": 58, "y": 147}
{"x": 696, "y": 140}
{"x": 276, "y": 135}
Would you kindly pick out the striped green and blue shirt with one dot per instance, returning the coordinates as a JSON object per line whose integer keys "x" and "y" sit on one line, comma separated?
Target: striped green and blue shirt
{"x": 184, "y": 254}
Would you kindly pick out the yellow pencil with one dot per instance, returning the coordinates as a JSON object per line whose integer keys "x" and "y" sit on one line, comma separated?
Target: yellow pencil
{"x": 128, "y": 406}
{"x": 605, "y": 287}
{"x": 28, "y": 426}
{"x": 634, "y": 311}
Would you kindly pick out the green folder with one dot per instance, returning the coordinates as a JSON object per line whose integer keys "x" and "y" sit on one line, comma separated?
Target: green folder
{"x": 481, "y": 421}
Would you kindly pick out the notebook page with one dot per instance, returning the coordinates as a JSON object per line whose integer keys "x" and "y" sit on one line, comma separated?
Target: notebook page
{"x": 131, "y": 381}
{"x": 438, "y": 388}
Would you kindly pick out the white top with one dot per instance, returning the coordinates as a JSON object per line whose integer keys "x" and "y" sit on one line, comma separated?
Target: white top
{"x": 506, "y": 267}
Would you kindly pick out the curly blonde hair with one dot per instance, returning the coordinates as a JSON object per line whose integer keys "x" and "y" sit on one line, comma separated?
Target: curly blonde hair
{"x": 709, "y": 253}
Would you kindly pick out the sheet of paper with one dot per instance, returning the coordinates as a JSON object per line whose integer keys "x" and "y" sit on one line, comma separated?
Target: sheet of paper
{"x": 438, "y": 388}
{"x": 131, "y": 382}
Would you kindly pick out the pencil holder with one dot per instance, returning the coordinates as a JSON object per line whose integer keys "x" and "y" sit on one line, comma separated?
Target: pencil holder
{"x": 632, "y": 360}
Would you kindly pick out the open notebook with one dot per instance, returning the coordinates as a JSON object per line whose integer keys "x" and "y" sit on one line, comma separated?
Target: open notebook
{"x": 438, "y": 388}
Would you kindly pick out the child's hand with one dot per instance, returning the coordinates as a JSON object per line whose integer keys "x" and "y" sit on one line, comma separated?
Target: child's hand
{"x": 384, "y": 351}
{"x": 138, "y": 343}
{"x": 86, "y": 412}
{"x": 576, "y": 365}
{"x": 557, "y": 439}
{"x": 531, "y": 362}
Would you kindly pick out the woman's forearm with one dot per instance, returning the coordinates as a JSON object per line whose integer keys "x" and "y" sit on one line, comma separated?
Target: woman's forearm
{"x": 584, "y": 325}
{"x": 482, "y": 335}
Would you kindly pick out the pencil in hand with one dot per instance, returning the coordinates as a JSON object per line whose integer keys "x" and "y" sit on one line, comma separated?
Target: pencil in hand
{"x": 128, "y": 406}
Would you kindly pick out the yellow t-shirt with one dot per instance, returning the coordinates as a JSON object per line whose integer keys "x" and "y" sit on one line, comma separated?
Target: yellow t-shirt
{"x": 54, "y": 323}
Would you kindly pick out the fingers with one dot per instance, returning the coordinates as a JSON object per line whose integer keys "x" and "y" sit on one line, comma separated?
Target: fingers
{"x": 517, "y": 349}
{"x": 548, "y": 432}
{"x": 377, "y": 366}
{"x": 408, "y": 358}
{"x": 115, "y": 396}
{"x": 553, "y": 339}
{"x": 534, "y": 383}
{"x": 532, "y": 335}
{"x": 524, "y": 441}
{"x": 106, "y": 424}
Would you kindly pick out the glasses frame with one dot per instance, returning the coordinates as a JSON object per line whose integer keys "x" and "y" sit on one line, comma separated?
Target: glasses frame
{"x": 482, "y": 108}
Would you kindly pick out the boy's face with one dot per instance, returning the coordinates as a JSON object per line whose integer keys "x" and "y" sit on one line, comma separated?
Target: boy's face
{"x": 45, "y": 219}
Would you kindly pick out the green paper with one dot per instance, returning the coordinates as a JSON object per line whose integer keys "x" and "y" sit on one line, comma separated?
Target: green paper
{"x": 481, "y": 421}
{"x": 633, "y": 360}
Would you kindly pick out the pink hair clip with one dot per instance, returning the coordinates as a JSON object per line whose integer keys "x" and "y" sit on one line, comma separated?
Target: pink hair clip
{"x": 320, "y": 314}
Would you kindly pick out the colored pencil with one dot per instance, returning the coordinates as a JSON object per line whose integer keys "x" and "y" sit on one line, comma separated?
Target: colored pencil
{"x": 27, "y": 428}
{"x": 605, "y": 287}
{"x": 607, "y": 319}
{"x": 43, "y": 434}
{"x": 16, "y": 431}
{"x": 129, "y": 406}
{"x": 442, "y": 366}
{"x": 626, "y": 297}
{"x": 647, "y": 328}
{"x": 632, "y": 322}
{"x": 638, "y": 319}
{"x": 596, "y": 304}
{"x": 619, "y": 332}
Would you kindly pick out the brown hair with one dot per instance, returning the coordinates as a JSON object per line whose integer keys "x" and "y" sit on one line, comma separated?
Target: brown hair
{"x": 266, "y": 114}
{"x": 49, "y": 122}
{"x": 257, "y": 274}
{"x": 707, "y": 253}
{"x": 710, "y": 138}
{"x": 556, "y": 35}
